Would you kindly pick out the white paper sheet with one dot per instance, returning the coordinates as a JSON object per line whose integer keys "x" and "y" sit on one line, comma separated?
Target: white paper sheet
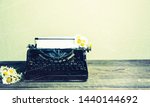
{"x": 56, "y": 42}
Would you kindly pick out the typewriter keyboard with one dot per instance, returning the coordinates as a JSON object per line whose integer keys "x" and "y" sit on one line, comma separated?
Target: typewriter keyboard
{"x": 40, "y": 65}
{"x": 65, "y": 68}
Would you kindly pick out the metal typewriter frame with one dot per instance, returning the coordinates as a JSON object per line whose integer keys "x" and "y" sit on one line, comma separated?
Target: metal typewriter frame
{"x": 81, "y": 76}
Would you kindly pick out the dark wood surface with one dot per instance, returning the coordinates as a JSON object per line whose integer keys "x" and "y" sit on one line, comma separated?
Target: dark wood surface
{"x": 103, "y": 74}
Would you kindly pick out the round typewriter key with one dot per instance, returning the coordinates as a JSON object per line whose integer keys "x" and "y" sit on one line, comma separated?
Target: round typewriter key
{"x": 64, "y": 60}
{"x": 60, "y": 61}
{"x": 30, "y": 63}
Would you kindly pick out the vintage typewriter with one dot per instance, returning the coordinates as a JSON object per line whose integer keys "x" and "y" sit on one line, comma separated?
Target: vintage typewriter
{"x": 56, "y": 59}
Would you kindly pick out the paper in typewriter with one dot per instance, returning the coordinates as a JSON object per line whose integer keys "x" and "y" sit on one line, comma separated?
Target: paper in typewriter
{"x": 56, "y": 42}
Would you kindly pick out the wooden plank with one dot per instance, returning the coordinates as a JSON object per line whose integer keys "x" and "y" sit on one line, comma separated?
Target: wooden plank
{"x": 103, "y": 74}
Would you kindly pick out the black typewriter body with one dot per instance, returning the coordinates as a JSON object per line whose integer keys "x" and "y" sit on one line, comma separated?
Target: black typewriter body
{"x": 56, "y": 65}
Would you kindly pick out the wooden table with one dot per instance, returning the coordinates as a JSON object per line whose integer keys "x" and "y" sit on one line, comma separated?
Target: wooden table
{"x": 103, "y": 74}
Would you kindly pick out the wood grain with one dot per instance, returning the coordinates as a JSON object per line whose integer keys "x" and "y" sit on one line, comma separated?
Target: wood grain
{"x": 103, "y": 75}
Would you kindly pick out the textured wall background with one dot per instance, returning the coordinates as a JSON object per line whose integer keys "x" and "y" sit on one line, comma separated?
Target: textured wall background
{"x": 118, "y": 29}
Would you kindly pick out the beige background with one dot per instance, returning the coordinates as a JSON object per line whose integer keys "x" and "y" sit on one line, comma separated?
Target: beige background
{"x": 118, "y": 29}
